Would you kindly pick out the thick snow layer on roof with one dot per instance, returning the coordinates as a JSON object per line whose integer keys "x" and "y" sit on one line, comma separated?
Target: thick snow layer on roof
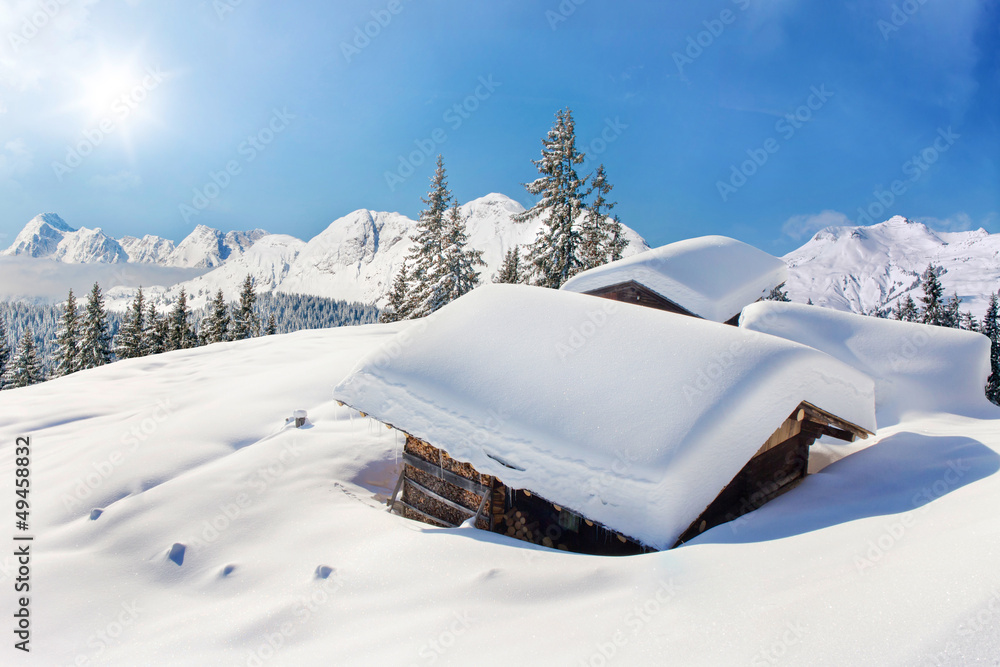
{"x": 713, "y": 277}
{"x": 631, "y": 416}
{"x": 916, "y": 367}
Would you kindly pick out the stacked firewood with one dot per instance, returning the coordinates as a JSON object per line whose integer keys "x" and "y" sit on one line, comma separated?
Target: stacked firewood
{"x": 519, "y": 525}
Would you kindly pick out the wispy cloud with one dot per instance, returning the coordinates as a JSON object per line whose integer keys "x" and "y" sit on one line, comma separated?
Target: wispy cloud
{"x": 119, "y": 182}
{"x": 959, "y": 222}
{"x": 798, "y": 226}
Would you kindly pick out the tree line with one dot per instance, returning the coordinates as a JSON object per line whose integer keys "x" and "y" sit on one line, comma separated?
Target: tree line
{"x": 91, "y": 336}
{"x": 934, "y": 309}
{"x": 578, "y": 233}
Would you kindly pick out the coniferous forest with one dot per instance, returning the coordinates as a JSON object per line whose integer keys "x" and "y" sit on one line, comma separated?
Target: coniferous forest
{"x": 42, "y": 341}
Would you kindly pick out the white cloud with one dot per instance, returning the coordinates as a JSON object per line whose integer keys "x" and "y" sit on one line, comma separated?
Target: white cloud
{"x": 15, "y": 159}
{"x": 798, "y": 226}
{"x": 959, "y": 222}
{"x": 120, "y": 182}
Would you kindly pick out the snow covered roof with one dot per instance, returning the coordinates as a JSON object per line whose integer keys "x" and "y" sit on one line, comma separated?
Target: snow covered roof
{"x": 633, "y": 417}
{"x": 713, "y": 277}
{"x": 916, "y": 367}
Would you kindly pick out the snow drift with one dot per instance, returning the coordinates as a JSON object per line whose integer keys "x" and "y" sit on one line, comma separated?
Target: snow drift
{"x": 633, "y": 417}
{"x": 916, "y": 367}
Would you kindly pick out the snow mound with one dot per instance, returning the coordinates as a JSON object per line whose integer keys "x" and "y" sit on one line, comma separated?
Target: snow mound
{"x": 917, "y": 368}
{"x": 633, "y": 417}
{"x": 713, "y": 277}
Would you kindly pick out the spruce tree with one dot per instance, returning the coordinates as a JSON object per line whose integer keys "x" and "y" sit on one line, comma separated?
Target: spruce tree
{"x": 245, "y": 321}
{"x": 68, "y": 339}
{"x": 95, "y": 341}
{"x": 554, "y": 255}
{"x": 215, "y": 326}
{"x": 933, "y": 311}
{"x": 426, "y": 256}
{"x": 4, "y": 352}
{"x": 272, "y": 326}
{"x": 991, "y": 329}
{"x": 25, "y": 369}
{"x": 154, "y": 333}
{"x": 512, "y": 270}
{"x": 601, "y": 239}
{"x": 397, "y": 309}
{"x": 952, "y": 315}
{"x": 129, "y": 343}
{"x": 180, "y": 335}
{"x": 778, "y": 294}
{"x": 907, "y": 311}
{"x": 457, "y": 274}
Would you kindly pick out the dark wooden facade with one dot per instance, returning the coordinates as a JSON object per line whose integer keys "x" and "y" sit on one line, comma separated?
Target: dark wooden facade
{"x": 637, "y": 293}
{"x": 442, "y": 491}
{"x": 777, "y": 467}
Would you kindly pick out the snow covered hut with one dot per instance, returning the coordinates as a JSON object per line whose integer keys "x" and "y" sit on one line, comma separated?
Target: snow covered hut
{"x": 594, "y": 425}
{"x": 712, "y": 277}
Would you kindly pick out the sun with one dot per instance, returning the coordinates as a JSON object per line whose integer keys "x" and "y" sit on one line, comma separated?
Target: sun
{"x": 102, "y": 89}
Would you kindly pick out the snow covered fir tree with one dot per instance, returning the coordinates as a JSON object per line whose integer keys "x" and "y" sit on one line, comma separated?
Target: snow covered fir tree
{"x": 25, "y": 368}
{"x": 440, "y": 266}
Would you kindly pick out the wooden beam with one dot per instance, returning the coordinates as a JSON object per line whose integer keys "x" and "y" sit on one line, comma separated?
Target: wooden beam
{"x": 427, "y": 516}
{"x": 822, "y": 416}
{"x": 446, "y": 475}
{"x": 395, "y": 491}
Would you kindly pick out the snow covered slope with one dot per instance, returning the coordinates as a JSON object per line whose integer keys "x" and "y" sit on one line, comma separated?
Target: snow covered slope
{"x": 860, "y": 269}
{"x": 287, "y": 557}
{"x": 207, "y": 247}
{"x": 149, "y": 249}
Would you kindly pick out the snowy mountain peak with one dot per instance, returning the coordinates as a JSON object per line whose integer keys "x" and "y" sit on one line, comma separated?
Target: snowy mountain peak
{"x": 864, "y": 268}
{"x": 47, "y": 236}
{"x": 52, "y": 220}
{"x": 208, "y": 247}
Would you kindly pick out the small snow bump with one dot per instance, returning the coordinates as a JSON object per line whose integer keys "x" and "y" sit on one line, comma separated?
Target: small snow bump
{"x": 95, "y": 514}
{"x": 228, "y": 570}
{"x": 323, "y": 571}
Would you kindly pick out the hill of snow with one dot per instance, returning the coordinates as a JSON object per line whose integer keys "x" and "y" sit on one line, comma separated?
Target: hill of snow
{"x": 861, "y": 269}
{"x": 178, "y": 520}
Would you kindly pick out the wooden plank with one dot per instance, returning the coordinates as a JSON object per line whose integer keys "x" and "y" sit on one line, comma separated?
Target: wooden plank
{"x": 441, "y": 499}
{"x": 440, "y": 473}
{"x": 427, "y": 516}
{"x": 820, "y": 415}
{"x": 395, "y": 491}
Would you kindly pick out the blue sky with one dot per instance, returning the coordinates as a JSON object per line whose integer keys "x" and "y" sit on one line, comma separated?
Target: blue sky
{"x": 758, "y": 119}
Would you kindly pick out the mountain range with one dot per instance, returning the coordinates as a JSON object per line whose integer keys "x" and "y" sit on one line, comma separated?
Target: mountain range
{"x": 866, "y": 268}
{"x": 852, "y": 268}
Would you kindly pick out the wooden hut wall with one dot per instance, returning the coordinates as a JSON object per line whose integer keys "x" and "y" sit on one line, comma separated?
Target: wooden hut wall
{"x": 777, "y": 467}
{"x": 633, "y": 292}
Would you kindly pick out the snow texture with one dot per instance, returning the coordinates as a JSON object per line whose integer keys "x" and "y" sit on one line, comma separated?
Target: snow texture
{"x": 633, "y": 417}
{"x": 713, "y": 277}
{"x": 886, "y": 557}
{"x": 917, "y": 368}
